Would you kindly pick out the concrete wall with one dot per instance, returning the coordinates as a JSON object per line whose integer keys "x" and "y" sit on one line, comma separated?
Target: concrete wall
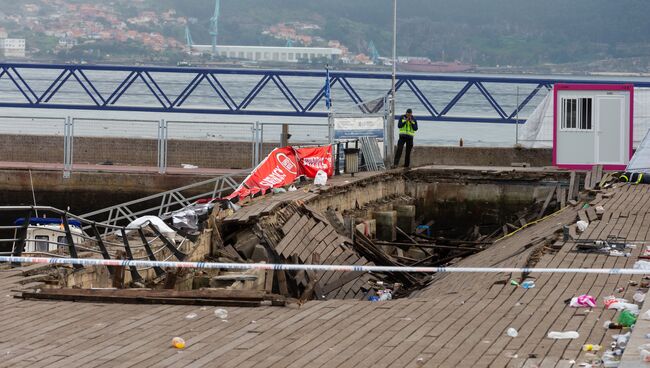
{"x": 228, "y": 155}
{"x": 480, "y": 156}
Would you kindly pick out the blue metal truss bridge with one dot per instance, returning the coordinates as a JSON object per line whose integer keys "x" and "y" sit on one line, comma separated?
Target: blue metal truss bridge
{"x": 290, "y": 93}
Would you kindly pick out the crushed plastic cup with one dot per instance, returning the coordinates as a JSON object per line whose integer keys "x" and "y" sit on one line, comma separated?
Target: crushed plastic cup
{"x": 639, "y": 296}
{"x": 191, "y": 316}
{"x": 221, "y": 313}
{"x": 563, "y": 335}
{"x": 512, "y": 332}
{"x": 514, "y": 283}
{"x": 178, "y": 343}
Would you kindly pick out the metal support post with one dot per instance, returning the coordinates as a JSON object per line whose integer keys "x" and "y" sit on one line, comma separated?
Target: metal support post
{"x": 256, "y": 130}
{"x": 163, "y": 136}
{"x": 284, "y": 136}
{"x": 135, "y": 275}
{"x": 72, "y": 248}
{"x": 159, "y": 271}
{"x": 102, "y": 246}
{"x": 517, "y": 120}
{"x": 177, "y": 253}
{"x": 68, "y": 151}
{"x": 390, "y": 123}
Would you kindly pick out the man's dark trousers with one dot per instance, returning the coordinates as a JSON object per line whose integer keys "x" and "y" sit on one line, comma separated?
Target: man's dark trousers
{"x": 408, "y": 140}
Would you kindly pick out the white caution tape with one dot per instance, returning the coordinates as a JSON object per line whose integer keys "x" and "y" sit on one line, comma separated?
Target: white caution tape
{"x": 309, "y": 267}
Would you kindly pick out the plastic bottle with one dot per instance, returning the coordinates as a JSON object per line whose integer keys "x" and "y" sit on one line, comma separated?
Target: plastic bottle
{"x": 512, "y": 332}
{"x": 528, "y": 284}
{"x": 609, "y": 360}
{"x": 563, "y": 335}
{"x": 622, "y": 339}
{"x": 591, "y": 347}
{"x": 221, "y": 313}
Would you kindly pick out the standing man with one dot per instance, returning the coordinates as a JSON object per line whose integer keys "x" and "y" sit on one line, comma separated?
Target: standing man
{"x": 407, "y": 127}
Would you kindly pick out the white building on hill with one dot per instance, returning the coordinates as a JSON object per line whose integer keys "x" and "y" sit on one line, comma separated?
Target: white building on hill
{"x": 271, "y": 53}
{"x": 12, "y": 47}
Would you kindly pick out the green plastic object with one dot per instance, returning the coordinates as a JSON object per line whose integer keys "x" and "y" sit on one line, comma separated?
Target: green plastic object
{"x": 626, "y": 319}
{"x": 514, "y": 283}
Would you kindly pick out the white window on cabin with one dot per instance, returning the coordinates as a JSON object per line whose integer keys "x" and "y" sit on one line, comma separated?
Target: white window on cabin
{"x": 577, "y": 113}
{"x": 42, "y": 243}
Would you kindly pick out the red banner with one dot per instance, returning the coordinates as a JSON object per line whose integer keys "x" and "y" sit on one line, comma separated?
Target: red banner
{"x": 283, "y": 166}
{"x": 312, "y": 159}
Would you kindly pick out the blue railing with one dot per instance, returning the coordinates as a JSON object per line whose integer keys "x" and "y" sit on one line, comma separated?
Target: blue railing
{"x": 295, "y": 93}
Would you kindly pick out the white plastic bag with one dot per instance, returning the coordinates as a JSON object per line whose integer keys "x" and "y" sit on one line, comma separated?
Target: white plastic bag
{"x": 321, "y": 178}
{"x": 646, "y": 315}
{"x": 582, "y": 225}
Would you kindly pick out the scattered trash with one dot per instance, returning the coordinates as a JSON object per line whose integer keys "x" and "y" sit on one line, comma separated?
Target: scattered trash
{"x": 514, "y": 283}
{"x": 278, "y": 190}
{"x": 612, "y": 325}
{"x": 633, "y": 308}
{"x": 620, "y": 289}
{"x": 632, "y": 283}
{"x": 155, "y": 221}
{"x": 582, "y": 225}
{"x": 321, "y": 178}
{"x": 586, "y": 301}
{"x": 385, "y": 295}
{"x": 292, "y": 188}
{"x": 610, "y": 360}
{"x": 618, "y": 253}
{"x": 639, "y": 296}
{"x": 373, "y": 298}
{"x": 647, "y": 336}
{"x": 528, "y": 284}
{"x": 189, "y": 166}
{"x": 178, "y": 343}
{"x": 609, "y": 300}
{"x": 646, "y": 315}
{"x": 563, "y": 335}
{"x": 622, "y": 339}
{"x": 641, "y": 265}
{"x": 512, "y": 332}
{"x": 644, "y": 352}
{"x": 191, "y": 316}
{"x": 511, "y": 355}
{"x": 600, "y": 210}
{"x": 626, "y": 318}
{"x": 221, "y": 313}
{"x": 591, "y": 347}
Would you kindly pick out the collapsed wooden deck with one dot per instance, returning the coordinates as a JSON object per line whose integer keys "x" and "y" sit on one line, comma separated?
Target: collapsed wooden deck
{"x": 459, "y": 320}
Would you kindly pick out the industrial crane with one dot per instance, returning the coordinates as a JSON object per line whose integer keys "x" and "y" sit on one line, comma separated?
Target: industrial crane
{"x": 188, "y": 38}
{"x": 214, "y": 22}
{"x": 374, "y": 54}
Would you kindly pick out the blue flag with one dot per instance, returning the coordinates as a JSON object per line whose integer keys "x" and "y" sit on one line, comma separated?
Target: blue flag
{"x": 328, "y": 97}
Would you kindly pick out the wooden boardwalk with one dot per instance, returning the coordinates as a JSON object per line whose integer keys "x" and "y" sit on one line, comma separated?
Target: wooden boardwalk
{"x": 459, "y": 320}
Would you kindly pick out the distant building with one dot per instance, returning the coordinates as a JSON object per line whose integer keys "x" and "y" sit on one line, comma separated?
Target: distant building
{"x": 272, "y": 53}
{"x": 12, "y": 47}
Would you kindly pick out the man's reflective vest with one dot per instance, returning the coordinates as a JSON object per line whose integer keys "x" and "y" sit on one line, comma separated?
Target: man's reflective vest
{"x": 407, "y": 128}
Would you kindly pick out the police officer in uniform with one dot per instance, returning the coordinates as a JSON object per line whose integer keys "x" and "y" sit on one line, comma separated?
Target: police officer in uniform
{"x": 407, "y": 127}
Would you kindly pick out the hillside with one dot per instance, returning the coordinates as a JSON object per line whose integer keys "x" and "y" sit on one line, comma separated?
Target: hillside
{"x": 505, "y": 32}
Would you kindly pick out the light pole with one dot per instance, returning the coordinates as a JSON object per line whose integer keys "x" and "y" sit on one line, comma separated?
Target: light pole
{"x": 390, "y": 124}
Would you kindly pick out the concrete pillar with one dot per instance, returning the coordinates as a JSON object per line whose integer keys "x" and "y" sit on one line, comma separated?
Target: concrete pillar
{"x": 406, "y": 218}
{"x": 386, "y": 221}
